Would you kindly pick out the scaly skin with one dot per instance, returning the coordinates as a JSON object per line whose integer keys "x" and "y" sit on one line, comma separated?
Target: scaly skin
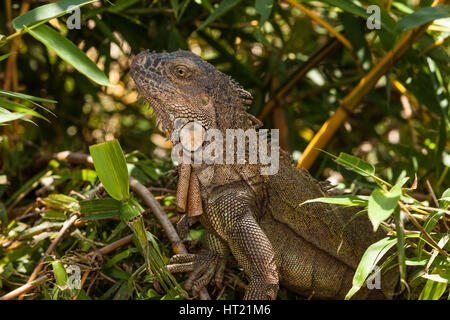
{"x": 312, "y": 249}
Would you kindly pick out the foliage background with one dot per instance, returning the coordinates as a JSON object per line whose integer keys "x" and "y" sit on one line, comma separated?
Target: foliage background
{"x": 401, "y": 133}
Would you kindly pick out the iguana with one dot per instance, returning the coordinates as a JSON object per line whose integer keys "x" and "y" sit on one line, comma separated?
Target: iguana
{"x": 312, "y": 249}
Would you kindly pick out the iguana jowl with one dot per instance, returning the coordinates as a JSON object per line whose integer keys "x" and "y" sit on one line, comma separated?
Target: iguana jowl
{"x": 313, "y": 249}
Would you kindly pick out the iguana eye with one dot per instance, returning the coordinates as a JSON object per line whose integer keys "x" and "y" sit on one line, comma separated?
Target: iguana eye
{"x": 181, "y": 71}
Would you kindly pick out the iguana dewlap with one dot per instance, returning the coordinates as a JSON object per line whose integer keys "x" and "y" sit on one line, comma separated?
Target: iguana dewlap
{"x": 312, "y": 249}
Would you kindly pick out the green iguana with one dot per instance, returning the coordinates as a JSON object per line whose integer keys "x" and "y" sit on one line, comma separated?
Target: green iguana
{"x": 312, "y": 249}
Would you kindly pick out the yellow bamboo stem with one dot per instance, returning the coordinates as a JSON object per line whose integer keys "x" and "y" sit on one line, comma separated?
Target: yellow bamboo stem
{"x": 305, "y": 68}
{"x": 349, "y": 102}
{"x": 434, "y": 45}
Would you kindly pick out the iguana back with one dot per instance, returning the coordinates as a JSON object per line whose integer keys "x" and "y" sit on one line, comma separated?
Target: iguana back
{"x": 320, "y": 245}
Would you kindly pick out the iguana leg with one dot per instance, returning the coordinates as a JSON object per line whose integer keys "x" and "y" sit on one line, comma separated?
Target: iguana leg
{"x": 204, "y": 266}
{"x": 230, "y": 215}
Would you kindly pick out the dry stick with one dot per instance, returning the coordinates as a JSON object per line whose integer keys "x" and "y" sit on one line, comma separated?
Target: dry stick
{"x": 66, "y": 226}
{"x": 426, "y": 234}
{"x": 146, "y": 195}
{"x": 357, "y": 94}
{"x": 29, "y": 285}
{"x": 430, "y": 189}
{"x": 23, "y": 289}
{"x": 304, "y": 69}
{"x": 177, "y": 244}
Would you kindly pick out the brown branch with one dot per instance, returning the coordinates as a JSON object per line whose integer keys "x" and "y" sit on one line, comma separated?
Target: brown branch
{"x": 23, "y": 289}
{"x": 177, "y": 244}
{"x": 31, "y": 284}
{"x": 149, "y": 199}
{"x": 426, "y": 234}
{"x": 66, "y": 226}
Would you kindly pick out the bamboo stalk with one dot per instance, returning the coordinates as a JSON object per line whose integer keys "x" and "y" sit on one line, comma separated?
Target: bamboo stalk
{"x": 364, "y": 86}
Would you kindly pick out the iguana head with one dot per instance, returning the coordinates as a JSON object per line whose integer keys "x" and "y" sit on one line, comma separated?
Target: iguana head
{"x": 183, "y": 88}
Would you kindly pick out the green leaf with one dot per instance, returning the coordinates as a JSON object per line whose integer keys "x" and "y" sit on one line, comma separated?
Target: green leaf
{"x": 60, "y": 273}
{"x": 46, "y": 12}
{"x": 10, "y": 94}
{"x": 263, "y": 8}
{"x": 103, "y": 208}
{"x": 31, "y": 183}
{"x": 444, "y": 201}
{"x": 120, "y": 256}
{"x": 69, "y": 52}
{"x": 382, "y": 204}
{"x": 368, "y": 261}
{"x": 3, "y": 216}
{"x": 224, "y": 7}
{"x": 88, "y": 175}
{"x": 111, "y": 169}
{"x": 54, "y": 214}
{"x": 428, "y": 225}
{"x": 346, "y": 200}
{"x": 14, "y": 106}
{"x": 10, "y": 116}
{"x": 356, "y": 164}
{"x": 5, "y": 56}
{"x": 422, "y": 16}
{"x": 433, "y": 290}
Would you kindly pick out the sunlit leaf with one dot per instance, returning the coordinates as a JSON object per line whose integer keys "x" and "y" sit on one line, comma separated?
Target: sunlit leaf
{"x": 69, "y": 52}
{"x": 111, "y": 169}
{"x": 382, "y": 204}
{"x": 60, "y": 273}
{"x": 368, "y": 261}
{"x": 356, "y": 164}
{"x": 47, "y": 12}
{"x": 347, "y": 200}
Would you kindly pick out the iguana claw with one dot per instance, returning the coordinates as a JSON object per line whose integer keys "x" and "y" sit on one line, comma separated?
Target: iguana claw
{"x": 203, "y": 268}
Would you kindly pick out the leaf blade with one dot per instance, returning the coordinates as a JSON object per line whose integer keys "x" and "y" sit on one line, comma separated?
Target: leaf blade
{"x": 69, "y": 52}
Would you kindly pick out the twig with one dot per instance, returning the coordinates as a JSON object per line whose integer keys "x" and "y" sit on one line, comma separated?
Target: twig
{"x": 426, "y": 234}
{"x": 31, "y": 284}
{"x": 430, "y": 189}
{"x": 142, "y": 192}
{"x": 177, "y": 244}
{"x": 23, "y": 289}
{"x": 66, "y": 226}
{"x": 161, "y": 189}
{"x": 352, "y": 100}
